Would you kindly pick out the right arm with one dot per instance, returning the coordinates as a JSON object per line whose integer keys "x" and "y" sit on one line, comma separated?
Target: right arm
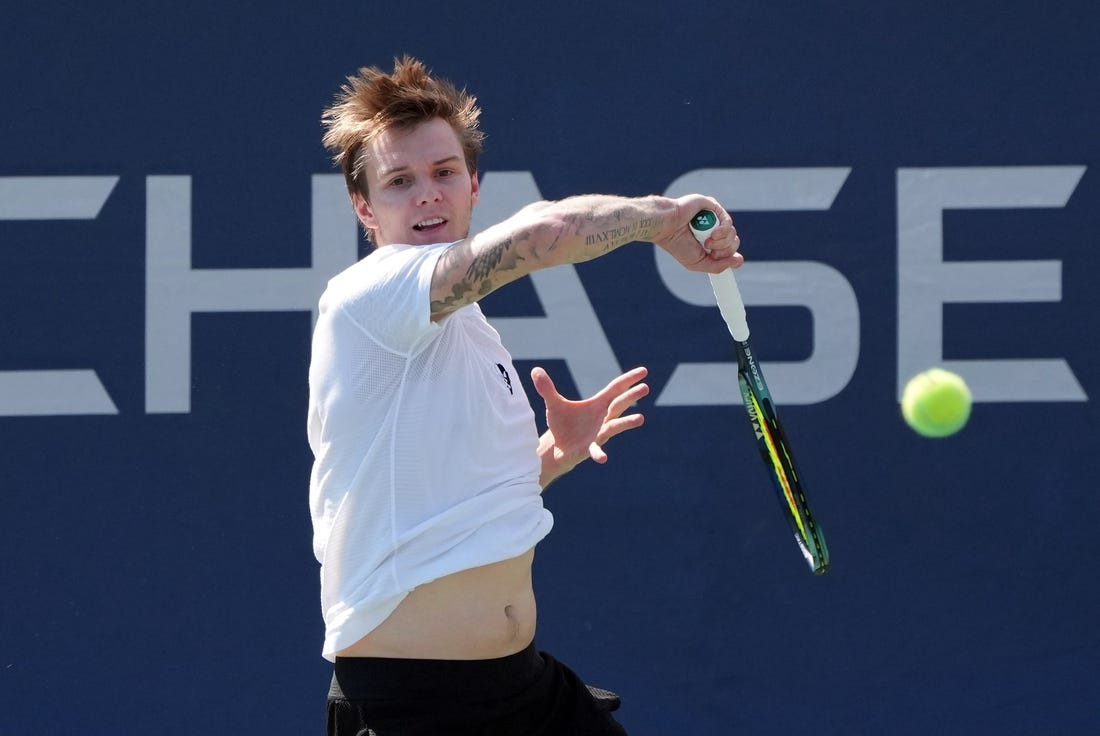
{"x": 574, "y": 230}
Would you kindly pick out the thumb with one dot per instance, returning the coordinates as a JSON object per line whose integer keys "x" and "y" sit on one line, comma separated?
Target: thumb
{"x": 543, "y": 384}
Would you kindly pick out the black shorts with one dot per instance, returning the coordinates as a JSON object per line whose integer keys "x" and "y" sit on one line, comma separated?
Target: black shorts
{"x": 526, "y": 694}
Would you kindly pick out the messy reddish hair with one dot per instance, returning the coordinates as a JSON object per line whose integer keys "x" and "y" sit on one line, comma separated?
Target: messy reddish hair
{"x": 373, "y": 101}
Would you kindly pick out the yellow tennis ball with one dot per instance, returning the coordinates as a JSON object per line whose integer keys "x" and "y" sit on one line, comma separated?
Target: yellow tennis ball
{"x": 936, "y": 403}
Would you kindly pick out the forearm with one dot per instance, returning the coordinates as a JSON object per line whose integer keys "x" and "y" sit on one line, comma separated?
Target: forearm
{"x": 584, "y": 227}
{"x": 574, "y": 230}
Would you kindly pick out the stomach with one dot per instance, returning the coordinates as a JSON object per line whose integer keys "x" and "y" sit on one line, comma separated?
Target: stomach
{"x": 482, "y": 613}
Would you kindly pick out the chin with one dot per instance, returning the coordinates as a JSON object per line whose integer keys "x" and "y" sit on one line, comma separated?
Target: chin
{"x": 446, "y": 235}
{"x": 415, "y": 237}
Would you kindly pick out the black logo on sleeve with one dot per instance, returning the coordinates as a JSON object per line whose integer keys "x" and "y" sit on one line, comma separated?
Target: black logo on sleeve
{"x": 504, "y": 375}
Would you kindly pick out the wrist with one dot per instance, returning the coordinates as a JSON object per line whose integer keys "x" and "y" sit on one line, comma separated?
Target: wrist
{"x": 666, "y": 218}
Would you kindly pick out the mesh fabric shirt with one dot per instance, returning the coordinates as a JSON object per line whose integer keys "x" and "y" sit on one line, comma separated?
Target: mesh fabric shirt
{"x": 424, "y": 443}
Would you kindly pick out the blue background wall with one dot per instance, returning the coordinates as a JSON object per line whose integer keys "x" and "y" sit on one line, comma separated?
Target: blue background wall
{"x": 157, "y": 572}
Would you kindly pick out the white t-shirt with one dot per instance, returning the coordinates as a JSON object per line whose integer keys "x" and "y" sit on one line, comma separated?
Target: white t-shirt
{"x": 425, "y": 445}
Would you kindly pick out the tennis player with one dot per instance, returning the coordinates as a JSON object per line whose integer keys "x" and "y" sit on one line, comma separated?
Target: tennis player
{"x": 426, "y": 487}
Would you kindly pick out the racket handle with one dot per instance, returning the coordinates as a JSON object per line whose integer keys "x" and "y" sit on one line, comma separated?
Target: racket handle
{"x": 726, "y": 293}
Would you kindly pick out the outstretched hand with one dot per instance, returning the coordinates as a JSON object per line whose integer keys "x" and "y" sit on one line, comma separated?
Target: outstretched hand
{"x": 579, "y": 429}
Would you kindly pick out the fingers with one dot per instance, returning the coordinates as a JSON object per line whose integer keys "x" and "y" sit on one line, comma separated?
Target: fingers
{"x": 613, "y": 428}
{"x": 625, "y": 381}
{"x": 723, "y": 242}
{"x": 618, "y": 426}
{"x": 721, "y": 251}
{"x": 625, "y": 391}
{"x": 722, "y": 248}
{"x": 627, "y": 399}
{"x": 621, "y": 390}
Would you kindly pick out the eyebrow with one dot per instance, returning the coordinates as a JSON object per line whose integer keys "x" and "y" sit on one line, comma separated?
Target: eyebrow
{"x": 385, "y": 173}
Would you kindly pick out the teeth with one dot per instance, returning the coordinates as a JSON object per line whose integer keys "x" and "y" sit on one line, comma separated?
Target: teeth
{"x": 428, "y": 223}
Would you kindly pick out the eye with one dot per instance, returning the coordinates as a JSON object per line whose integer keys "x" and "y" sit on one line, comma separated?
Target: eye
{"x": 443, "y": 173}
{"x": 398, "y": 181}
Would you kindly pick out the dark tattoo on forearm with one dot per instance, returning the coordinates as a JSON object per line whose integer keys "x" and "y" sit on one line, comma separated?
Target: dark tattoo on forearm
{"x": 608, "y": 236}
{"x": 486, "y": 271}
{"x": 484, "y": 264}
{"x": 642, "y": 229}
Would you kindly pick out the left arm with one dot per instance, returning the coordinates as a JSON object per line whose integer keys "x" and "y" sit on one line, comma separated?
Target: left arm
{"x": 577, "y": 430}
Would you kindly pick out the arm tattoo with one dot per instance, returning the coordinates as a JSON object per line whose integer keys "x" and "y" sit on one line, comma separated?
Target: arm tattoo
{"x": 615, "y": 236}
{"x": 487, "y": 270}
{"x": 485, "y": 263}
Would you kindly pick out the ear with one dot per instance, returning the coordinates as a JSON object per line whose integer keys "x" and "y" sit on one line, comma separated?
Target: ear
{"x": 364, "y": 211}
{"x": 475, "y": 189}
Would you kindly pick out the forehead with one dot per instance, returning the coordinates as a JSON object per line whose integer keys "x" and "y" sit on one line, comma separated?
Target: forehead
{"x": 421, "y": 145}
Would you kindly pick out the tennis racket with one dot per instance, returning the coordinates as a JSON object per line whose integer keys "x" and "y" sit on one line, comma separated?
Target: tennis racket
{"x": 770, "y": 437}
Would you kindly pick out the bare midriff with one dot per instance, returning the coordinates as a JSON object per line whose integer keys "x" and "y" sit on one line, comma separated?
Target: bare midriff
{"x": 481, "y": 613}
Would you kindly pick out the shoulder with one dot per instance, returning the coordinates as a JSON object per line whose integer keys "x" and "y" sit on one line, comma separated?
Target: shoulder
{"x": 385, "y": 268}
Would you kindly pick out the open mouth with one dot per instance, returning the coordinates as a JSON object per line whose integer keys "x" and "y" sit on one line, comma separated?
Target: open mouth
{"x": 430, "y": 224}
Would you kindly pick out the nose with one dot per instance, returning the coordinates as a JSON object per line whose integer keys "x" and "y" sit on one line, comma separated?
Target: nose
{"x": 428, "y": 192}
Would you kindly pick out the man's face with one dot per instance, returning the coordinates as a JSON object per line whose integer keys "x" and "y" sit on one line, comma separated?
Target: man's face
{"x": 421, "y": 191}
